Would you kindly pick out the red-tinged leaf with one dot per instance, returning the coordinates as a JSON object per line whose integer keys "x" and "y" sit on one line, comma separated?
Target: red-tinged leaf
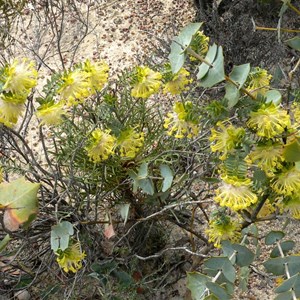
{"x": 9, "y": 221}
{"x": 109, "y": 231}
{"x": 19, "y": 200}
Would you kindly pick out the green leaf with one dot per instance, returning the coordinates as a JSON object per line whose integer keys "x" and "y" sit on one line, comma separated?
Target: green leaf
{"x": 294, "y": 43}
{"x": 228, "y": 250}
{"x": 239, "y": 74}
{"x": 143, "y": 171}
{"x": 244, "y": 278}
{"x": 218, "y": 290}
{"x": 186, "y": 34}
{"x": 4, "y": 242}
{"x": 274, "y": 236}
{"x": 179, "y": 45}
{"x": 210, "y": 57}
{"x": 176, "y": 57}
{"x": 196, "y": 283}
{"x": 252, "y": 230}
{"x": 134, "y": 177}
{"x": 273, "y": 96}
{"x": 223, "y": 264}
{"x": 285, "y": 246}
{"x": 291, "y": 151}
{"x": 141, "y": 180}
{"x": 232, "y": 94}
{"x": 275, "y": 265}
{"x": 244, "y": 257}
{"x": 146, "y": 185}
{"x": 60, "y": 235}
{"x": 285, "y": 296}
{"x": 123, "y": 277}
{"x": 19, "y": 201}
{"x": 212, "y": 273}
{"x": 293, "y": 262}
{"x": 167, "y": 174}
{"x": 216, "y": 73}
{"x": 291, "y": 283}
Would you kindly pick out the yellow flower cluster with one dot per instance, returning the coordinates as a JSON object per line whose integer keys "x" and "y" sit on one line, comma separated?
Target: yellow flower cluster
{"x": 269, "y": 121}
{"x": 235, "y": 193}
{"x": 225, "y": 138}
{"x": 71, "y": 258}
{"x": 74, "y": 87}
{"x": 287, "y": 182}
{"x": 50, "y": 113}
{"x": 102, "y": 144}
{"x": 223, "y": 229}
{"x": 145, "y": 82}
{"x": 19, "y": 77}
{"x": 85, "y": 80}
{"x": 293, "y": 206}
{"x": 268, "y": 158}
{"x": 130, "y": 142}
{"x": 199, "y": 44}
{"x": 178, "y": 82}
{"x": 17, "y": 80}
{"x": 180, "y": 122}
{"x": 258, "y": 81}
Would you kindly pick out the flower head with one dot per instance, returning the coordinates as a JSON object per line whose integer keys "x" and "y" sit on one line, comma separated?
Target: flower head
{"x": 101, "y": 145}
{"x": 292, "y": 205}
{"x": 269, "y": 121}
{"x": 225, "y": 138}
{"x": 268, "y": 158}
{"x": 130, "y": 142}
{"x": 145, "y": 82}
{"x": 178, "y": 82}
{"x": 222, "y": 229}
{"x": 287, "y": 182}
{"x": 258, "y": 81}
{"x": 75, "y": 86}
{"x": 71, "y": 258}
{"x": 181, "y": 122}
{"x": 50, "y": 113}
{"x": 19, "y": 77}
{"x": 10, "y": 112}
{"x": 199, "y": 44}
{"x": 97, "y": 74}
{"x": 235, "y": 193}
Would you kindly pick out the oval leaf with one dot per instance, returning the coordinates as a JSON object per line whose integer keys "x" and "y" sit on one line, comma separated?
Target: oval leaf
{"x": 273, "y": 237}
{"x": 210, "y": 57}
{"x": 218, "y": 291}
{"x": 221, "y": 263}
{"x": 60, "y": 235}
{"x": 216, "y": 73}
{"x": 273, "y": 96}
{"x": 286, "y": 246}
{"x": 167, "y": 174}
{"x": 294, "y": 43}
{"x": 196, "y": 283}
